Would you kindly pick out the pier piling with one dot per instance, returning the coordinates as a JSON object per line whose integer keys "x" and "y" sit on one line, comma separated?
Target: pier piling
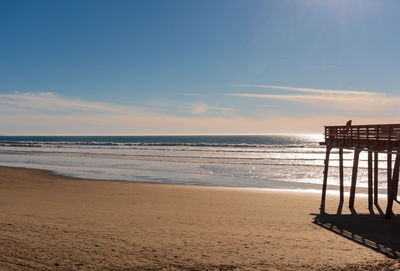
{"x": 325, "y": 181}
{"x": 396, "y": 176}
{"x": 377, "y": 138}
{"x": 370, "y": 207}
{"x": 376, "y": 168}
{"x": 393, "y": 185}
{"x": 341, "y": 186}
{"x": 354, "y": 178}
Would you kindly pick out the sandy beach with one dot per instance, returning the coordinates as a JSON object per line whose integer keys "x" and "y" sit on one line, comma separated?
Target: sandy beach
{"x": 50, "y": 222}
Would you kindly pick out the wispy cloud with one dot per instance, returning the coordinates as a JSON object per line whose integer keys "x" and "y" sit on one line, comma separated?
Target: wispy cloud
{"x": 164, "y": 124}
{"x": 199, "y": 108}
{"x": 312, "y": 90}
{"x": 52, "y": 103}
{"x": 304, "y": 98}
{"x": 348, "y": 100}
{"x": 48, "y": 113}
{"x": 202, "y": 108}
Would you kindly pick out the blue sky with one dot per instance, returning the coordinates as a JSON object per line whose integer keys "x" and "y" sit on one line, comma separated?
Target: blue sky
{"x": 196, "y": 67}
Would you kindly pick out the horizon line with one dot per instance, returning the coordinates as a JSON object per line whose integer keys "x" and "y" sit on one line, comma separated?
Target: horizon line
{"x": 222, "y": 134}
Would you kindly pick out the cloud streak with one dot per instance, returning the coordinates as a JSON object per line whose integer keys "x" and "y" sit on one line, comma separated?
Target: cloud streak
{"x": 345, "y": 100}
{"x": 165, "y": 124}
{"x": 52, "y": 103}
{"x": 312, "y": 90}
{"x": 50, "y": 114}
{"x": 303, "y": 98}
{"x": 202, "y": 108}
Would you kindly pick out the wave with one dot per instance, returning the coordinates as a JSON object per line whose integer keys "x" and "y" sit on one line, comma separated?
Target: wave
{"x": 191, "y": 141}
{"x": 218, "y": 161}
{"x": 181, "y": 147}
{"x": 201, "y": 144}
{"x": 266, "y": 161}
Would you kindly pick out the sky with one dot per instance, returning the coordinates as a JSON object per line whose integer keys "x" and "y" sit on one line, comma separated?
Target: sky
{"x": 94, "y": 67}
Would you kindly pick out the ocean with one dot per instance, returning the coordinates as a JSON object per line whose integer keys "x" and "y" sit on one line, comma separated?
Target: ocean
{"x": 273, "y": 161}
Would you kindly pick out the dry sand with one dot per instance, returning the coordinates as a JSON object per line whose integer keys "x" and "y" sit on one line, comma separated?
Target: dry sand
{"x": 50, "y": 222}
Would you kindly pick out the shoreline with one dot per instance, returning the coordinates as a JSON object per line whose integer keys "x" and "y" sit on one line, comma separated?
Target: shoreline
{"x": 286, "y": 186}
{"x": 52, "y": 222}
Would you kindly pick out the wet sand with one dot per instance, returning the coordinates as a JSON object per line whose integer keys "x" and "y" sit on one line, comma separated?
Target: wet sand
{"x": 50, "y": 222}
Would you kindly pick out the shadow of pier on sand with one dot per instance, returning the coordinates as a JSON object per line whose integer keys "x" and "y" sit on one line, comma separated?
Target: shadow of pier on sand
{"x": 370, "y": 230}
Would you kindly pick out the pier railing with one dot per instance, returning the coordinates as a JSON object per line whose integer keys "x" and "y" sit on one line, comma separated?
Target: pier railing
{"x": 381, "y": 136}
{"x": 374, "y": 139}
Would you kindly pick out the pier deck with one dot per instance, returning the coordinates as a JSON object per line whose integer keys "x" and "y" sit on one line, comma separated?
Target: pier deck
{"x": 376, "y": 138}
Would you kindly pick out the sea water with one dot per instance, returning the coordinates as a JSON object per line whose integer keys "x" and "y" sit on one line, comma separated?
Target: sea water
{"x": 271, "y": 161}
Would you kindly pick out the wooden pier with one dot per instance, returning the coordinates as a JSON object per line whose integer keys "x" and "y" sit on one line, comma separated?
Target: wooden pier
{"x": 377, "y": 138}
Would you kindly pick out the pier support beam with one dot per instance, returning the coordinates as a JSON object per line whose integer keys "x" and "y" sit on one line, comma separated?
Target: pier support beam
{"x": 395, "y": 178}
{"x": 389, "y": 187}
{"x": 341, "y": 174}
{"x": 392, "y": 184}
{"x": 354, "y": 179}
{"x": 376, "y": 168}
{"x": 324, "y": 183}
{"x": 370, "y": 208}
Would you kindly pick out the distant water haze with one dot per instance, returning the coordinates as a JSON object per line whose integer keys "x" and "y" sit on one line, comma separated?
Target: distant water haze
{"x": 273, "y": 161}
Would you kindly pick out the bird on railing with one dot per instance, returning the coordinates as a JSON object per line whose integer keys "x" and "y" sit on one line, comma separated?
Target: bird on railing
{"x": 348, "y": 124}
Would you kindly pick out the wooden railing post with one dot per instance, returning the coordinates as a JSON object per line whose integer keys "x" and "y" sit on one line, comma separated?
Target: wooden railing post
{"x": 336, "y": 136}
{"x": 377, "y": 135}
{"x": 351, "y": 136}
{"x": 344, "y": 136}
